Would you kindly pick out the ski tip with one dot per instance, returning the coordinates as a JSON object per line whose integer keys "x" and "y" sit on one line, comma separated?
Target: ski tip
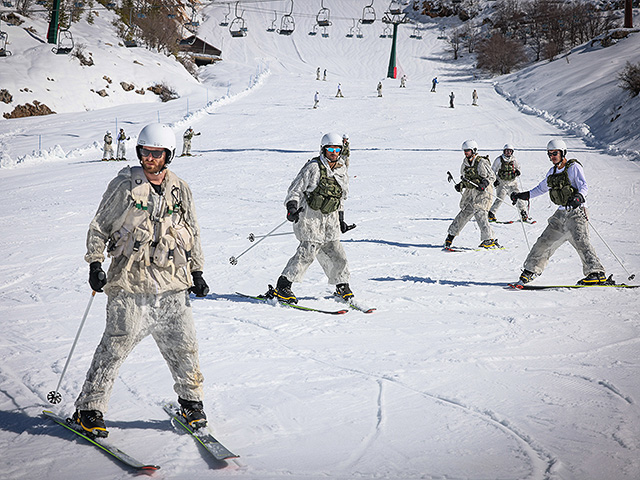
{"x": 149, "y": 468}
{"x": 515, "y": 286}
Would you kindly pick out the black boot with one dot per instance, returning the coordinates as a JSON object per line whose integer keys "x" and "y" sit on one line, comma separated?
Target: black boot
{"x": 492, "y": 217}
{"x": 448, "y": 241}
{"x": 343, "y": 290}
{"x": 283, "y": 290}
{"x": 193, "y": 413}
{"x": 91, "y": 422}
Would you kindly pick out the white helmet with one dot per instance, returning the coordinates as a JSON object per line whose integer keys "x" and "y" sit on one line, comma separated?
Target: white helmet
{"x": 508, "y": 146}
{"x": 470, "y": 145}
{"x": 108, "y": 132}
{"x": 345, "y": 137}
{"x": 158, "y": 135}
{"x": 330, "y": 138}
{"x": 557, "y": 144}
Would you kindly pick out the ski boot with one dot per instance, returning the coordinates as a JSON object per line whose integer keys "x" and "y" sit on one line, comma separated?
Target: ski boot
{"x": 492, "y": 217}
{"x": 594, "y": 278}
{"x": 343, "y": 291}
{"x": 91, "y": 422}
{"x": 490, "y": 243}
{"x": 282, "y": 291}
{"x": 526, "y": 276}
{"x": 193, "y": 413}
{"x": 448, "y": 241}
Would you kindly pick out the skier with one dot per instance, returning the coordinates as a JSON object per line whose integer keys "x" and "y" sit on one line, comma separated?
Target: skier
{"x": 476, "y": 187}
{"x": 379, "y": 88}
{"x": 339, "y": 92}
{"x": 324, "y": 77}
{"x": 121, "y": 153}
{"x": 507, "y": 170}
{"x": 107, "y": 152}
{"x": 346, "y": 150}
{"x": 452, "y": 97}
{"x": 147, "y": 223}
{"x": 434, "y": 82}
{"x": 186, "y": 141}
{"x": 318, "y": 74}
{"x": 474, "y": 97}
{"x": 315, "y": 206}
{"x": 403, "y": 81}
{"x": 316, "y": 99}
{"x": 567, "y": 187}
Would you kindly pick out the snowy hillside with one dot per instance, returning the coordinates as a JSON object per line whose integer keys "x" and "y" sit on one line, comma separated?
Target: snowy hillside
{"x": 452, "y": 377}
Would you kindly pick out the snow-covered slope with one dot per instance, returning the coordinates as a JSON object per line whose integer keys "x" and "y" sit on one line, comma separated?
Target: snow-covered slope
{"x": 451, "y": 377}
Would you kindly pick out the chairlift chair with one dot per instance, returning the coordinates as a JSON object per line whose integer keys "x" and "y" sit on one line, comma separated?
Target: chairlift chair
{"x": 395, "y": 8}
{"x": 386, "y": 32}
{"x": 4, "y": 37}
{"x": 350, "y": 33}
{"x": 325, "y": 33}
{"x": 237, "y": 27}
{"x": 368, "y": 14}
{"x": 272, "y": 27}
{"x": 322, "y": 18}
{"x": 287, "y": 24}
{"x": 314, "y": 30}
{"x": 65, "y": 42}
{"x": 359, "y": 33}
{"x": 225, "y": 20}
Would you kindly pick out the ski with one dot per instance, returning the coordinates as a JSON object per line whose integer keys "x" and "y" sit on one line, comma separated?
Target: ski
{"x": 292, "y": 305}
{"x": 467, "y": 249}
{"x": 509, "y": 222}
{"x": 519, "y": 286}
{"x": 353, "y": 305}
{"x": 202, "y": 435}
{"x": 102, "y": 444}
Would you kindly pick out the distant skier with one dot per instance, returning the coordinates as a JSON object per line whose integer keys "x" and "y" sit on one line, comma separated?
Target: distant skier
{"x": 379, "y": 88}
{"x": 121, "y": 153}
{"x": 474, "y": 98}
{"x": 567, "y": 187}
{"x": 186, "y": 141}
{"x": 318, "y": 74}
{"x": 434, "y": 82}
{"x": 452, "y": 97}
{"x": 403, "y": 81}
{"x": 507, "y": 170}
{"x": 315, "y": 206}
{"x": 346, "y": 150}
{"x": 339, "y": 92}
{"x": 107, "y": 152}
{"x": 324, "y": 77}
{"x": 476, "y": 187}
{"x": 316, "y": 99}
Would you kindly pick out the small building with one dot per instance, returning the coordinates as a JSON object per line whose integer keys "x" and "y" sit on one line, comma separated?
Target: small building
{"x": 201, "y": 52}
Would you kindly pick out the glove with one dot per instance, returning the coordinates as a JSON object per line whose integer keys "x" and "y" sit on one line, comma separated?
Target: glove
{"x": 458, "y": 187}
{"x": 496, "y": 183}
{"x": 293, "y": 213}
{"x": 575, "y": 201}
{"x": 515, "y": 196}
{"x": 517, "y": 172}
{"x": 97, "y": 277}
{"x": 484, "y": 183}
{"x": 200, "y": 287}
{"x": 344, "y": 227}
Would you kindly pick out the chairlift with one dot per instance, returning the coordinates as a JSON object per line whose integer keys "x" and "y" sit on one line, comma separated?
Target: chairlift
{"x": 395, "y": 8}
{"x": 272, "y": 27}
{"x": 288, "y": 24}
{"x": 314, "y": 30}
{"x": 386, "y": 32}
{"x": 225, "y": 21}
{"x": 238, "y": 28}
{"x": 65, "y": 42}
{"x": 109, "y": 5}
{"x": 4, "y": 37}
{"x": 368, "y": 14}
{"x": 325, "y": 33}
{"x": 350, "y": 34}
{"x": 322, "y": 18}
{"x": 359, "y": 32}
{"x": 416, "y": 33}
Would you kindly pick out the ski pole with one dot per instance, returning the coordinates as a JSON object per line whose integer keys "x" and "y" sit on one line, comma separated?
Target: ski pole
{"x": 54, "y": 396}
{"x": 631, "y": 275}
{"x": 252, "y": 237}
{"x": 526, "y": 238}
{"x": 234, "y": 260}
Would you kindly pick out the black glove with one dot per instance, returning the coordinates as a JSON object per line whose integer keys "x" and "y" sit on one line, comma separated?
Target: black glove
{"x": 293, "y": 213}
{"x": 515, "y": 196}
{"x": 458, "y": 187}
{"x": 484, "y": 183}
{"x": 97, "y": 277}
{"x": 344, "y": 227}
{"x": 496, "y": 183}
{"x": 200, "y": 287}
{"x": 517, "y": 172}
{"x": 575, "y": 201}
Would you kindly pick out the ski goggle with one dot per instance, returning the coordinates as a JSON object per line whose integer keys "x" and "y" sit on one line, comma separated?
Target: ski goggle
{"x": 154, "y": 153}
{"x": 554, "y": 153}
{"x": 334, "y": 149}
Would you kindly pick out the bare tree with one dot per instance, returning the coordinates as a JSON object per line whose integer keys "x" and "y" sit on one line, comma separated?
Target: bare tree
{"x": 500, "y": 54}
{"x": 455, "y": 42}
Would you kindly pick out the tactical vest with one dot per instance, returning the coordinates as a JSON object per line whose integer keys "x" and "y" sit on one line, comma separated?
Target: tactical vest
{"x": 560, "y": 188}
{"x": 326, "y": 196}
{"x": 471, "y": 174}
{"x": 161, "y": 237}
{"x": 507, "y": 170}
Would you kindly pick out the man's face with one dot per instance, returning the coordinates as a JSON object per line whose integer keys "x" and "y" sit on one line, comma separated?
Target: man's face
{"x": 468, "y": 153}
{"x": 149, "y": 162}
{"x": 332, "y": 152}
{"x": 555, "y": 156}
{"x": 508, "y": 152}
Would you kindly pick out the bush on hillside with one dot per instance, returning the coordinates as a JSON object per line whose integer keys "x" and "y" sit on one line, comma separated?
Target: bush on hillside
{"x": 630, "y": 78}
{"x": 500, "y": 54}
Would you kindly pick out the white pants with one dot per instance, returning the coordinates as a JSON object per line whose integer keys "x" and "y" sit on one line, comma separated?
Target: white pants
{"x": 504, "y": 190}
{"x": 331, "y": 257}
{"x": 132, "y": 317}
{"x": 472, "y": 210}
